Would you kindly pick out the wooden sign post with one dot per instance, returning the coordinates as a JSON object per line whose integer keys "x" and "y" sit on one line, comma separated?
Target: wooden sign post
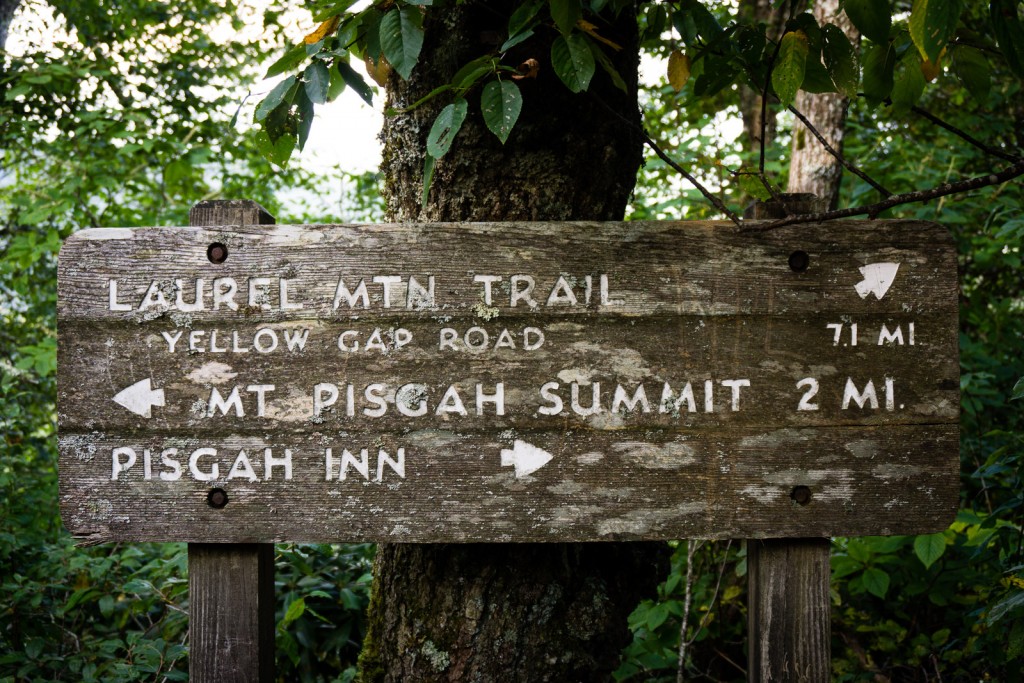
{"x": 230, "y": 585}
{"x": 507, "y": 382}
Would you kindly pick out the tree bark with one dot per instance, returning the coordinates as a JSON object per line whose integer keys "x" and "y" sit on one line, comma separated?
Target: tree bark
{"x": 812, "y": 169}
{"x": 569, "y": 156}
{"x": 523, "y": 612}
{"x": 7, "y": 10}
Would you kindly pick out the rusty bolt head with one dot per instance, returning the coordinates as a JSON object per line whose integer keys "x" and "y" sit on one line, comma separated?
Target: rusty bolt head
{"x": 217, "y": 253}
{"x": 217, "y": 498}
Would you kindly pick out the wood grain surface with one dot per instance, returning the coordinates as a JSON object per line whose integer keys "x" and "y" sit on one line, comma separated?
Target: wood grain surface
{"x": 722, "y": 363}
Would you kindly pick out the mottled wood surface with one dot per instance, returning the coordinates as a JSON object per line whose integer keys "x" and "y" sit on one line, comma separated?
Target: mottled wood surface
{"x": 788, "y": 610}
{"x": 689, "y": 302}
{"x": 230, "y": 585}
{"x": 231, "y": 613}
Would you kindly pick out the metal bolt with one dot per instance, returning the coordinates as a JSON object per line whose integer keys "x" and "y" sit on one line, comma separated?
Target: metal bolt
{"x": 801, "y": 495}
{"x": 217, "y": 498}
{"x": 217, "y": 253}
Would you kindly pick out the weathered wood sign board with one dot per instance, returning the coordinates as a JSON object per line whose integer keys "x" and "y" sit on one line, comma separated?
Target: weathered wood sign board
{"x": 507, "y": 382}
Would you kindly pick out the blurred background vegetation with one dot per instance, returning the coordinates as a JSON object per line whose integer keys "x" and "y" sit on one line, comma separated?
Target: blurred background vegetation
{"x": 127, "y": 120}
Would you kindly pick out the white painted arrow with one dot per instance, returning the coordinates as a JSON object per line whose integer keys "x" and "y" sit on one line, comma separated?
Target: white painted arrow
{"x": 140, "y": 398}
{"x": 526, "y": 458}
{"x": 878, "y": 278}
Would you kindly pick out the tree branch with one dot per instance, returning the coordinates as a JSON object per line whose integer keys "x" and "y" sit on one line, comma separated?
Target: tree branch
{"x": 837, "y": 156}
{"x": 715, "y": 201}
{"x": 963, "y": 135}
{"x": 872, "y": 210}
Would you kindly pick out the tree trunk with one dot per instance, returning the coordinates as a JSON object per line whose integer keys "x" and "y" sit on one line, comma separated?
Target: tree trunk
{"x": 489, "y": 612}
{"x": 7, "y": 9}
{"x": 812, "y": 168}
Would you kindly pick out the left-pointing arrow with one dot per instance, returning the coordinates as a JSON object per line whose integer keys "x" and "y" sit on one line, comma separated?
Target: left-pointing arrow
{"x": 140, "y": 398}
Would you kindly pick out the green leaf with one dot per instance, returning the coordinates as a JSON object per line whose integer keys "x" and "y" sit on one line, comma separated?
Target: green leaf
{"x": 289, "y": 61}
{"x": 280, "y": 121}
{"x": 328, "y": 11}
{"x": 500, "y": 104}
{"x": 1014, "y": 602}
{"x": 280, "y": 93}
{"x": 601, "y": 58}
{"x": 657, "y": 615}
{"x": 806, "y": 22}
{"x": 929, "y": 548}
{"x": 401, "y": 39}
{"x": 752, "y": 186}
{"x": 873, "y": 18}
{"x": 816, "y": 78}
{"x": 751, "y": 43}
{"x": 840, "y": 60}
{"x": 523, "y": 18}
{"x": 573, "y": 61}
{"x": 336, "y": 85}
{"x": 973, "y": 71}
{"x": 428, "y": 178}
{"x": 1018, "y": 390}
{"x": 908, "y": 85}
{"x": 515, "y": 40}
{"x": 844, "y": 565}
{"x": 790, "y": 67}
{"x": 277, "y": 152}
{"x": 714, "y": 73}
{"x": 305, "y": 107}
{"x": 931, "y": 24}
{"x": 355, "y": 81}
{"x": 879, "y": 62}
{"x": 876, "y": 581}
{"x": 446, "y": 127}
{"x": 106, "y": 605}
{"x": 295, "y": 610}
{"x": 176, "y": 171}
{"x": 703, "y": 20}
{"x": 317, "y": 80}
{"x": 314, "y": 48}
{"x": 565, "y": 14}
{"x": 371, "y": 30}
{"x": 1009, "y": 33}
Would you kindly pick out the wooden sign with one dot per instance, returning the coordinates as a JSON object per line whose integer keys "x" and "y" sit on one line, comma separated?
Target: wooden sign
{"x": 507, "y": 382}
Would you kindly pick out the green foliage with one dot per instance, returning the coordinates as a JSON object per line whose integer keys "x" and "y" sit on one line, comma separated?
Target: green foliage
{"x": 1009, "y": 32}
{"x": 121, "y": 134}
{"x": 715, "y": 629}
{"x": 322, "y": 593}
{"x": 873, "y": 18}
{"x": 949, "y": 604}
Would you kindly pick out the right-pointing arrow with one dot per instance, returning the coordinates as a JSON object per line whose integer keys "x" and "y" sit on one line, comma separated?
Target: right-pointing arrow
{"x": 140, "y": 398}
{"x": 878, "y": 278}
{"x": 526, "y": 458}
